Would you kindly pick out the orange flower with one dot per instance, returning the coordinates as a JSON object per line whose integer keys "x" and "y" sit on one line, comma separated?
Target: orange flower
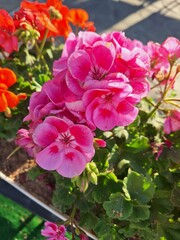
{"x": 7, "y": 98}
{"x": 79, "y": 17}
{"x": 8, "y": 42}
{"x": 53, "y": 16}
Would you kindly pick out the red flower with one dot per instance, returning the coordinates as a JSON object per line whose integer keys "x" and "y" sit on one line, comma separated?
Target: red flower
{"x": 79, "y": 17}
{"x": 51, "y": 15}
{"x": 8, "y": 42}
{"x": 7, "y": 98}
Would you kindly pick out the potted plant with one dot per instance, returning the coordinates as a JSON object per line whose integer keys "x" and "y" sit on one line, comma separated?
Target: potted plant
{"x": 105, "y": 123}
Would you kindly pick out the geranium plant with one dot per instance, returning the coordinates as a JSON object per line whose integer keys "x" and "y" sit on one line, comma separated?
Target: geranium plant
{"x": 106, "y": 124}
{"x": 28, "y": 48}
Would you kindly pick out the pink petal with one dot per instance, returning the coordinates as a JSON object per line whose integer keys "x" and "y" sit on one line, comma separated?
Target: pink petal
{"x": 60, "y": 66}
{"x": 79, "y": 65}
{"x": 105, "y": 117}
{"x": 88, "y": 38}
{"x": 41, "y": 111}
{"x": 127, "y": 113}
{"x": 70, "y": 45}
{"x": 53, "y": 90}
{"x": 89, "y": 113}
{"x": 50, "y": 230}
{"x": 83, "y": 136}
{"x": 74, "y": 85}
{"x": 92, "y": 95}
{"x": 73, "y": 163}
{"x": 140, "y": 88}
{"x": 44, "y": 134}
{"x": 58, "y": 123}
{"x": 103, "y": 55}
{"x": 50, "y": 158}
{"x": 172, "y": 45}
{"x": 167, "y": 125}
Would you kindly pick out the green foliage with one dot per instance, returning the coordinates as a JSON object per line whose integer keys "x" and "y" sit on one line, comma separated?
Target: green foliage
{"x": 132, "y": 195}
{"x": 118, "y": 207}
{"x": 31, "y": 75}
{"x": 130, "y": 189}
{"x": 138, "y": 188}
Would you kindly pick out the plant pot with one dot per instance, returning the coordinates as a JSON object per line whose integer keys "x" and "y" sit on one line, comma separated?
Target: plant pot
{"x": 14, "y": 191}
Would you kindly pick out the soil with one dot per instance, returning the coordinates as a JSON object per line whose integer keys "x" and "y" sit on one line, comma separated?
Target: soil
{"x": 17, "y": 166}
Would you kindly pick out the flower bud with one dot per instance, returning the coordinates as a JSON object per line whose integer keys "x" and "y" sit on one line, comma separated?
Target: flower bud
{"x": 93, "y": 178}
{"x": 93, "y": 167}
{"x": 82, "y": 182}
{"x": 8, "y": 113}
{"x": 54, "y": 13}
{"x": 99, "y": 143}
{"x": 22, "y": 96}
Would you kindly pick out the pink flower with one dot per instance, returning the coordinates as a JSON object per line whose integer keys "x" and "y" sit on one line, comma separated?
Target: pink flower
{"x": 172, "y": 45}
{"x": 83, "y": 236}
{"x": 39, "y": 106}
{"x": 110, "y": 107}
{"x": 99, "y": 143}
{"x": 172, "y": 122}
{"x": 50, "y": 230}
{"x": 87, "y": 67}
{"x": 95, "y": 69}
{"x": 158, "y": 147}
{"x": 163, "y": 56}
{"x": 90, "y": 57}
{"x": 65, "y": 147}
{"x": 25, "y": 141}
{"x": 53, "y": 232}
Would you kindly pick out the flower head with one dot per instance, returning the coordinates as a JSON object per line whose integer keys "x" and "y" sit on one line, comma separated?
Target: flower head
{"x": 65, "y": 147}
{"x": 79, "y": 17}
{"x": 172, "y": 122}
{"x": 7, "y": 98}
{"x": 53, "y": 232}
{"x": 8, "y": 42}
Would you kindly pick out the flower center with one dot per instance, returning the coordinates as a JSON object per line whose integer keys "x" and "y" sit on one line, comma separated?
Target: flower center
{"x": 97, "y": 73}
{"x": 3, "y": 86}
{"x": 65, "y": 138}
{"x": 107, "y": 97}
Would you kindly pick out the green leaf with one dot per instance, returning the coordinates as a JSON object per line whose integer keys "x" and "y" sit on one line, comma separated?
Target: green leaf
{"x": 167, "y": 229}
{"x": 106, "y": 230}
{"x": 139, "y": 225}
{"x": 140, "y": 212}
{"x": 138, "y": 188}
{"x": 128, "y": 232}
{"x": 118, "y": 207}
{"x": 175, "y": 196}
{"x": 114, "y": 155}
{"x": 33, "y": 173}
{"x": 147, "y": 234}
{"x": 100, "y": 159}
{"x": 139, "y": 144}
{"x": 107, "y": 184}
{"x": 88, "y": 220}
{"x": 138, "y": 162}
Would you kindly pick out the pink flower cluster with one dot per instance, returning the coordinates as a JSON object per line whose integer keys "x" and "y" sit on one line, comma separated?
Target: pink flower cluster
{"x": 53, "y": 232}
{"x": 172, "y": 122}
{"x": 97, "y": 83}
{"x": 163, "y": 56}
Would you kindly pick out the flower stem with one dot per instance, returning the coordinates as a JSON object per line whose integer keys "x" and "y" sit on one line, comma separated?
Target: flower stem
{"x": 166, "y": 90}
{"x": 154, "y": 110}
{"x": 42, "y": 44}
{"x": 42, "y": 57}
{"x": 13, "y": 152}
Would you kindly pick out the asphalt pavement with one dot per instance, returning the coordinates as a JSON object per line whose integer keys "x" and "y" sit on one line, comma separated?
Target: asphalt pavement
{"x": 144, "y": 20}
